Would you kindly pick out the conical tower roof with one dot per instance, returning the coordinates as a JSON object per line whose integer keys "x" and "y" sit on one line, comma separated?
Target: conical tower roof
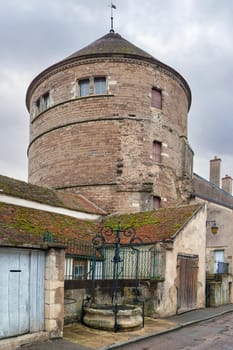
{"x": 109, "y": 45}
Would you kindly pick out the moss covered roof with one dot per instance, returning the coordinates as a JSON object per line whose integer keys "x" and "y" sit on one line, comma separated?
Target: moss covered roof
{"x": 154, "y": 226}
{"x": 44, "y": 195}
{"x": 24, "y": 225}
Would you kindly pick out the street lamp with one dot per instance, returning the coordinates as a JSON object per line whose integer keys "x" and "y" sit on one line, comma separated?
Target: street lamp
{"x": 214, "y": 227}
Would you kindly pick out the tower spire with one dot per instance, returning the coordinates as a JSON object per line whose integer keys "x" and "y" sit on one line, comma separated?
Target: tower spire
{"x": 112, "y": 7}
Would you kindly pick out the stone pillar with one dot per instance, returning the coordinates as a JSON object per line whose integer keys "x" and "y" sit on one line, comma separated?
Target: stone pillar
{"x": 215, "y": 171}
{"x": 227, "y": 184}
{"x": 54, "y": 291}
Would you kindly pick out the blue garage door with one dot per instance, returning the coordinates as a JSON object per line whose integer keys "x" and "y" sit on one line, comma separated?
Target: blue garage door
{"x": 21, "y": 291}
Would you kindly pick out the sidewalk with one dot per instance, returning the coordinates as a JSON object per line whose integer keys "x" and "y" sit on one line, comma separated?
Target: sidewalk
{"x": 80, "y": 337}
{"x": 102, "y": 340}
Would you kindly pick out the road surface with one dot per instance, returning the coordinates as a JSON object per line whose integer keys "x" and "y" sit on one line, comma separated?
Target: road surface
{"x": 215, "y": 334}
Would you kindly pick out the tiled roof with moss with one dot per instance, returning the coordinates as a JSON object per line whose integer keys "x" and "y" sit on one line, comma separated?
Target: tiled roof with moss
{"x": 25, "y": 225}
{"x": 154, "y": 226}
{"x": 44, "y": 195}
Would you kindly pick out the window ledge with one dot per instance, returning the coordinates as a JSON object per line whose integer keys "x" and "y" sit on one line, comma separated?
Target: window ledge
{"x": 93, "y": 95}
{"x": 69, "y": 101}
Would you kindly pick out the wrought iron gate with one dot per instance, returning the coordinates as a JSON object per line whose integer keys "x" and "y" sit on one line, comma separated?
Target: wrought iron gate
{"x": 187, "y": 266}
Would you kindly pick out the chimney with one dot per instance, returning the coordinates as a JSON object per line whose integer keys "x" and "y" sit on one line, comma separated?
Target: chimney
{"x": 215, "y": 171}
{"x": 227, "y": 184}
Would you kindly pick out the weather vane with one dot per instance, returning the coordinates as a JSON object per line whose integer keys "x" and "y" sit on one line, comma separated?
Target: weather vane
{"x": 112, "y": 7}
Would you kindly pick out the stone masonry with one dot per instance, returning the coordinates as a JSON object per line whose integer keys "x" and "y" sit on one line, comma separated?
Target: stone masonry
{"x": 54, "y": 292}
{"x": 102, "y": 145}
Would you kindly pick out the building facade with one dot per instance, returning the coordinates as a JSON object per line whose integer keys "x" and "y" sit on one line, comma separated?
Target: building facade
{"x": 110, "y": 122}
{"x": 219, "y": 261}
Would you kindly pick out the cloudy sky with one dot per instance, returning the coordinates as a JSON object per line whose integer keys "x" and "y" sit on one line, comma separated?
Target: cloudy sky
{"x": 193, "y": 36}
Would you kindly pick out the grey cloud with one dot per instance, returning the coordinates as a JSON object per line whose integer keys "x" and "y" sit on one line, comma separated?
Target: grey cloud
{"x": 194, "y": 37}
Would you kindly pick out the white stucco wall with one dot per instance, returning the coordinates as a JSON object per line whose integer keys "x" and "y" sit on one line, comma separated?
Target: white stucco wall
{"x": 190, "y": 240}
{"x": 35, "y": 205}
{"x": 223, "y": 240}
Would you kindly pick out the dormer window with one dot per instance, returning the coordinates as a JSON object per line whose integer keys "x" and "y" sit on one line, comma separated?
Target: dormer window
{"x": 100, "y": 85}
{"x": 156, "y": 98}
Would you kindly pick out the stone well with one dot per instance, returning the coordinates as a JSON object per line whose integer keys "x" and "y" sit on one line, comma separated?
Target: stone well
{"x": 113, "y": 318}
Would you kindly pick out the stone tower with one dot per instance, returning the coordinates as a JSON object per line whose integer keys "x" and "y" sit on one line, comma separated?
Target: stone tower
{"x": 110, "y": 122}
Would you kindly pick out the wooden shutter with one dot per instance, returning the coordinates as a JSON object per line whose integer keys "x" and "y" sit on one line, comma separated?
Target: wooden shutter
{"x": 157, "y": 151}
{"x": 156, "y": 98}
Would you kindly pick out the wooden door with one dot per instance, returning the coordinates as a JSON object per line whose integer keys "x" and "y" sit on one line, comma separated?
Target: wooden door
{"x": 21, "y": 291}
{"x": 187, "y": 266}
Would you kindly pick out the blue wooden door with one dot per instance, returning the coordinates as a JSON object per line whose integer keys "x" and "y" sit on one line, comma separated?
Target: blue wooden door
{"x": 21, "y": 291}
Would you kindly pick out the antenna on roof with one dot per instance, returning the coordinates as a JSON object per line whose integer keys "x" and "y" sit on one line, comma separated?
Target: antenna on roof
{"x": 112, "y": 7}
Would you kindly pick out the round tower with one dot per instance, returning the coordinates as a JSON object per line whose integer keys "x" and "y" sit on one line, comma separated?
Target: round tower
{"x": 110, "y": 122}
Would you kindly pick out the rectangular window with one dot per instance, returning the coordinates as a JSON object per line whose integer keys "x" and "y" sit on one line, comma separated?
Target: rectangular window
{"x": 100, "y": 85}
{"x": 156, "y": 155}
{"x": 218, "y": 259}
{"x": 84, "y": 87}
{"x": 156, "y": 202}
{"x": 46, "y": 99}
{"x": 38, "y": 104}
{"x": 156, "y": 98}
{"x": 78, "y": 272}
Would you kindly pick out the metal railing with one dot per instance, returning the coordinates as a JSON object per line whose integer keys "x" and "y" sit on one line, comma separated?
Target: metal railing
{"x": 143, "y": 263}
{"x": 222, "y": 267}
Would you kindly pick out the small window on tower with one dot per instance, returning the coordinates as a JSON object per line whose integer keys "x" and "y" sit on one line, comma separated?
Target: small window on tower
{"x": 156, "y": 152}
{"x": 156, "y": 98}
{"x": 156, "y": 202}
{"x": 84, "y": 87}
{"x": 46, "y": 100}
{"x": 100, "y": 85}
{"x": 38, "y": 104}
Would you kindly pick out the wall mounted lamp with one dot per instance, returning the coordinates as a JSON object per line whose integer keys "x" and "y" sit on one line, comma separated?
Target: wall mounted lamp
{"x": 214, "y": 227}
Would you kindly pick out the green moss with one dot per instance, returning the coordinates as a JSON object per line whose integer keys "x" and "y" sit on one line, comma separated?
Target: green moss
{"x": 131, "y": 220}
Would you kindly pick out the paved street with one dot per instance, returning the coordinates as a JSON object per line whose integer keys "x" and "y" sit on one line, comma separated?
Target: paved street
{"x": 202, "y": 329}
{"x": 55, "y": 345}
{"x": 215, "y": 334}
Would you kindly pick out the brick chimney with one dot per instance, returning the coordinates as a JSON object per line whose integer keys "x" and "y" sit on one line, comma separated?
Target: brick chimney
{"x": 215, "y": 171}
{"x": 227, "y": 184}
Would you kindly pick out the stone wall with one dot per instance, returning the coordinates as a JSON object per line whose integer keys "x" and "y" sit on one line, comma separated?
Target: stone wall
{"x": 100, "y": 141}
{"x": 76, "y": 291}
{"x": 54, "y": 292}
